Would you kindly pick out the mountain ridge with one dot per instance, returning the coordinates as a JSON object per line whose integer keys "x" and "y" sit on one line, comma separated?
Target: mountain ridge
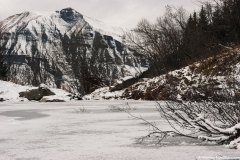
{"x": 29, "y": 16}
{"x": 41, "y": 38}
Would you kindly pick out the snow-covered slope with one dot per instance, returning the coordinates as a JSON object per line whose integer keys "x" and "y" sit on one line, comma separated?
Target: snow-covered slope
{"x": 62, "y": 21}
{"x": 115, "y": 32}
{"x": 216, "y": 78}
{"x": 33, "y": 43}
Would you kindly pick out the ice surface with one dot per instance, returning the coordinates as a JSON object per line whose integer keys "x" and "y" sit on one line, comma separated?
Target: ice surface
{"x": 61, "y": 130}
{"x": 100, "y": 134}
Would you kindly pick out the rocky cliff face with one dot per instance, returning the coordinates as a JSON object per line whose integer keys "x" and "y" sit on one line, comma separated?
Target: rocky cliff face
{"x": 50, "y": 48}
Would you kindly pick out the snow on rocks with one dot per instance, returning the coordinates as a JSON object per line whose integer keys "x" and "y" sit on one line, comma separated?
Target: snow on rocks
{"x": 52, "y": 99}
{"x": 37, "y": 94}
{"x": 10, "y": 92}
{"x": 103, "y": 93}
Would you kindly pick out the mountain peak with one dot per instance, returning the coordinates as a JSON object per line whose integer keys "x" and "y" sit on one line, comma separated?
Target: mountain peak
{"x": 70, "y": 15}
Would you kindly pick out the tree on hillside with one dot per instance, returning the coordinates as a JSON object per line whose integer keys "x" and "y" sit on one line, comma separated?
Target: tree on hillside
{"x": 203, "y": 21}
{"x": 3, "y": 66}
{"x": 224, "y": 18}
{"x": 160, "y": 41}
{"x": 175, "y": 41}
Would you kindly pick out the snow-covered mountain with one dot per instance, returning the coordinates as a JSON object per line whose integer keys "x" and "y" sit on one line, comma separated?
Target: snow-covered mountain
{"x": 38, "y": 46}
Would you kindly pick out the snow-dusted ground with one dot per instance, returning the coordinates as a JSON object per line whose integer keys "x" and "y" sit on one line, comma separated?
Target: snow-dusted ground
{"x": 89, "y": 130}
{"x": 10, "y": 92}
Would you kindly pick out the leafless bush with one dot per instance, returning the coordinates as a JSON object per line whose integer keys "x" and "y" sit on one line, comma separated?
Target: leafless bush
{"x": 81, "y": 110}
{"x": 120, "y": 108}
{"x": 209, "y": 121}
{"x": 114, "y": 108}
{"x": 217, "y": 122}
{"x": 160, "y": 41}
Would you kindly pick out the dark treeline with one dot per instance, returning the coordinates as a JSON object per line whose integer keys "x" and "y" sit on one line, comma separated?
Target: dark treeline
{"x": 3, "y": 66}
{"x": 178, "y": 39}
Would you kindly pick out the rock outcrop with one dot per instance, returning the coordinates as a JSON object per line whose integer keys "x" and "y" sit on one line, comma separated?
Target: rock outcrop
{"x": 36, "y": 94}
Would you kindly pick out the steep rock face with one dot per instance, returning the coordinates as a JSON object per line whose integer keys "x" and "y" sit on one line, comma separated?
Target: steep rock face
{"x": 41, "y": 47}
{"x": 69, "y": 15}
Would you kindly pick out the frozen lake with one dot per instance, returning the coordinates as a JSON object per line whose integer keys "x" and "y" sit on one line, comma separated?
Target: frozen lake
{"x": 32, "y": 130}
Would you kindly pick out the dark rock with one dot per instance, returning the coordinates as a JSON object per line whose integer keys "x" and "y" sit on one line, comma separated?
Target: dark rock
{"x": 45, "y": 91}
{"x": 33, "y": 94}
{"x": 36, "y": 94}
{"x": 76, "y": 96}
{"x": 21, "y": 94}
{"x": 69, "y": 95}
{"x": 1, "y": 100}
{"x": 117, "y": 87}
{"x": 70, "y": 15}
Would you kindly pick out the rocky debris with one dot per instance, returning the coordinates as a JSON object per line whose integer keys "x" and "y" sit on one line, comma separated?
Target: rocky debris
{"x": 76, "y": 96}
{"x": 45, "y": 99}
{"x": 104, "y": 93}
{"x": 37, "y": 94}
{"x": 124, "y": 84}
{"x": 2, "y": 99}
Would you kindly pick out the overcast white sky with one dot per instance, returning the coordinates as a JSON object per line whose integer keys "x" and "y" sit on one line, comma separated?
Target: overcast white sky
{"x": 122, "y": 13}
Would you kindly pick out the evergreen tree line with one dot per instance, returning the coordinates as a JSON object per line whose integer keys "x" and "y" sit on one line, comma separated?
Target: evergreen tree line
{"x": 3, "y": 66}
{"x": 178, "y": 39}
{"x": 216, "y": 25}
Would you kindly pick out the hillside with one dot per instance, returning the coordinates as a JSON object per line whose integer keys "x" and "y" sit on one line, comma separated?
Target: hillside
{"x": 216, "y": 78}
{"x": 44, "y": 47}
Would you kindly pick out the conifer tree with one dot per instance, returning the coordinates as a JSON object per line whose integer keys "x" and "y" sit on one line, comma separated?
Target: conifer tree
{"x": 195, "y": 19}
{"x": 203, "y": 22}
{"x": 3, "y": 66}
